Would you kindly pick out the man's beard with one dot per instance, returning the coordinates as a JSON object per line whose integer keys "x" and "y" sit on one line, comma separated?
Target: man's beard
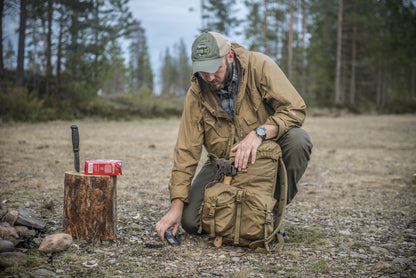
{"x": 227, "y": 79}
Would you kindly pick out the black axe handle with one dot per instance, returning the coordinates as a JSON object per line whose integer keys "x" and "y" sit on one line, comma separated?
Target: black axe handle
{"x": 75, "y": 146}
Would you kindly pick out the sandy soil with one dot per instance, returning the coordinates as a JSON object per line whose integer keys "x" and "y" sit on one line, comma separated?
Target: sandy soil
{"x": 355, "y": 214}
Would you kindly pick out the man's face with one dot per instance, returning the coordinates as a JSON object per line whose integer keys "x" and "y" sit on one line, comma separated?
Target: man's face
{"x": 217, "y": 80}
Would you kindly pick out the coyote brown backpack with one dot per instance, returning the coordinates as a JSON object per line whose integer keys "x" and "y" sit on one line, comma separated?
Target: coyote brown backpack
{"x": 244, "y": 211}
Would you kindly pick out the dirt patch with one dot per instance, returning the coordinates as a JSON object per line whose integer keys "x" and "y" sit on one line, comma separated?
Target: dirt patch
{"x": 355, "y": 214}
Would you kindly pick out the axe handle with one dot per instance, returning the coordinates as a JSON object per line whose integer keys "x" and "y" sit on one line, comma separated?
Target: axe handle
{"x": 227, "y": 180}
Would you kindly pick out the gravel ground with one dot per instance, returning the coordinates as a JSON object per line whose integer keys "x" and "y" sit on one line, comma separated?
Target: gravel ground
{"x": 355, "y": 214}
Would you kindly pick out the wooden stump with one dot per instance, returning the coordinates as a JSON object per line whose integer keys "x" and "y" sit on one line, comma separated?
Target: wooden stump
{"x": 90, "y": 206}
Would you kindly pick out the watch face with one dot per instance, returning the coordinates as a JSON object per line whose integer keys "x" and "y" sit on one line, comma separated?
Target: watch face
{"x": 261, "y": 131}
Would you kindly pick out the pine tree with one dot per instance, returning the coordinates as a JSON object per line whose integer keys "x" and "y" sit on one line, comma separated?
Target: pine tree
{"x": 169, "y": 74}
{"x": 219, "y": 16}
{"x": 140, "y": 69}
{"x": 184, "y": 68}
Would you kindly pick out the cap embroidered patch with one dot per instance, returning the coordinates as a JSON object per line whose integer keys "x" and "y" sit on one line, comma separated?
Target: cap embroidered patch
{"x": 202, "y": 50}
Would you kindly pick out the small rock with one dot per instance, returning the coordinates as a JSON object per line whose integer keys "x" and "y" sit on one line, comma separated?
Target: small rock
{"x": 28, "y": 219}
{"x": 10, "y": 217}
{"x": 389, "y": 246}
{"x": 7, "y": 231}
{"x": 28, "y": 204}
{"x": 38, "y": 241}
{"x": 56, "y": 243}
{"x": 45, "y": 273}
{"x": 25, "y": 231}
{"x": 378, "y": 250}
{"x": 20, "y": 229}
{"x": 235, "y": 259}
{"x": 6, "y": 246}
{"x": 92, "y": 263}
{"x": 345, "y": 232}
{"x": 29, "y": 233}
{"x": 357, "y": 255}
{"x": 402, "y": 260}
{"x": 12, "y": 258}
{"x": 12, "y": 239}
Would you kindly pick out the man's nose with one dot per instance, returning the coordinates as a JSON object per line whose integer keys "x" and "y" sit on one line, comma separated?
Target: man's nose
{"x": 210, "y": 77}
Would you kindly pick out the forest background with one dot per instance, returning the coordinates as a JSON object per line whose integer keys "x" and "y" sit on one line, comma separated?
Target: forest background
{"x": 356, "y": 55}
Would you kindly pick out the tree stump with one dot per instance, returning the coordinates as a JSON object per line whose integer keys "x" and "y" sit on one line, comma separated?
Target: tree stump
{"x": 90, "y": 206}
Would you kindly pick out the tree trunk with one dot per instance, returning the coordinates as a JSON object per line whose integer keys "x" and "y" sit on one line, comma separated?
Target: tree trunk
{"x": 34, "y": 58}
{"x": 48, "y": 51}
{"x": 353, "y": 63}
{"x": 1, "y": 38}
{"x": 379, "y": 84}
{"x": 21, "y": 48}
{"x": 59, "y": 55}
{"x": 413, "y": 81}
{"x": 90, "y": 206}
{"x": 265, "y": 27}
{"x": 73, "y": 30}
{"x": 303, "y": 88}
{"x": 325, "y": 48}
{"x": 338, "y": 93}
{"x": 290, "y": 42}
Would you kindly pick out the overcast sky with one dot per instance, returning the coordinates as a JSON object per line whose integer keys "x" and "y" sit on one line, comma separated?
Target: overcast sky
{"x": 165, "y": 23}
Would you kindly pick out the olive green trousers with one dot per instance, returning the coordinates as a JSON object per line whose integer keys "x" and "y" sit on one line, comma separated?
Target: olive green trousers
{"x": 296, "y": 148}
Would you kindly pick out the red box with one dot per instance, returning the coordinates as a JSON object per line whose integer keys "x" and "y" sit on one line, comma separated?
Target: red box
{"x": 102, "y": 167}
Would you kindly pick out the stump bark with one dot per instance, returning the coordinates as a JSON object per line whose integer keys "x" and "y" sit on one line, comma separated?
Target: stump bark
{"x": 90, "y": 206}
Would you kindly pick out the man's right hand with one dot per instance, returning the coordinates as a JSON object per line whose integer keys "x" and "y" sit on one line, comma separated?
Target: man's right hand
{"x": 171, "y": 219}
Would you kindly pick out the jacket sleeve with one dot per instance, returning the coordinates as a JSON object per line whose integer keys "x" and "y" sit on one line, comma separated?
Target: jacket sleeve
{"x": 276, "y": 90}
{"x": 188, "y": 149}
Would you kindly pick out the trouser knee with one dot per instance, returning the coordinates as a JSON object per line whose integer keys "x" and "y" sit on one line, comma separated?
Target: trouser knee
{"x": 189, "y": 224}
{"x": 296, "y": 148}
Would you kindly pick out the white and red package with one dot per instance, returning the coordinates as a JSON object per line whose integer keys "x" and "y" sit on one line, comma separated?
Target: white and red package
{"x": 102, "y": 167}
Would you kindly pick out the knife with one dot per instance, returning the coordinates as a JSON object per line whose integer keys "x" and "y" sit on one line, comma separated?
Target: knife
{"x": 75, "y": 146}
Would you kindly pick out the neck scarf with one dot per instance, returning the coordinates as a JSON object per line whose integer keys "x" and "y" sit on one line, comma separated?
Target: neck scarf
{"x": 228, "y": 94}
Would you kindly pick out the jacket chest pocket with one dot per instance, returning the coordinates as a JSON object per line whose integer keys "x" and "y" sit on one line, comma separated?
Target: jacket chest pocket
{"x": 215, "y": 128}
{"x": 250, "y": 108}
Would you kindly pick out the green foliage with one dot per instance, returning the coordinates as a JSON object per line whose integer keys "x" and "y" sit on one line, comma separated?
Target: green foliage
{"x": 33, "y": 257}
{"x": 176, "y": 71}
{"x": 220, "y": 16}
{"x": 73, "y": 50}
{"x": 320, "y": 267}
{"x": 141, "y": 73}
{"x": 299, "y": 235}
{"x": 16, "y": 103}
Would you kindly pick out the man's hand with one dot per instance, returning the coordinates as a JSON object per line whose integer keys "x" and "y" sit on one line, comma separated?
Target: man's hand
{"x": 249, "y": 145}
{"x": 171, "y": 219}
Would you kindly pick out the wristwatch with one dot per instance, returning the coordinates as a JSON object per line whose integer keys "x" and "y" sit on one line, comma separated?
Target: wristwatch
{"x": 261, "y": 132}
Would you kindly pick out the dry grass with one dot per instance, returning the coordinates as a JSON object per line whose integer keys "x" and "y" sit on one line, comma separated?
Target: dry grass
{"x": 354, "y": 215}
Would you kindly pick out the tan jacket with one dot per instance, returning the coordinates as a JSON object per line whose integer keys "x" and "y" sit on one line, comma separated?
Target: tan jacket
{"x": 265, "y": 96}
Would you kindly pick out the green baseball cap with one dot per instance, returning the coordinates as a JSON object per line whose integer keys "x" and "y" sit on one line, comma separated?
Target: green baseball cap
{"x": 208, "y": 50}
